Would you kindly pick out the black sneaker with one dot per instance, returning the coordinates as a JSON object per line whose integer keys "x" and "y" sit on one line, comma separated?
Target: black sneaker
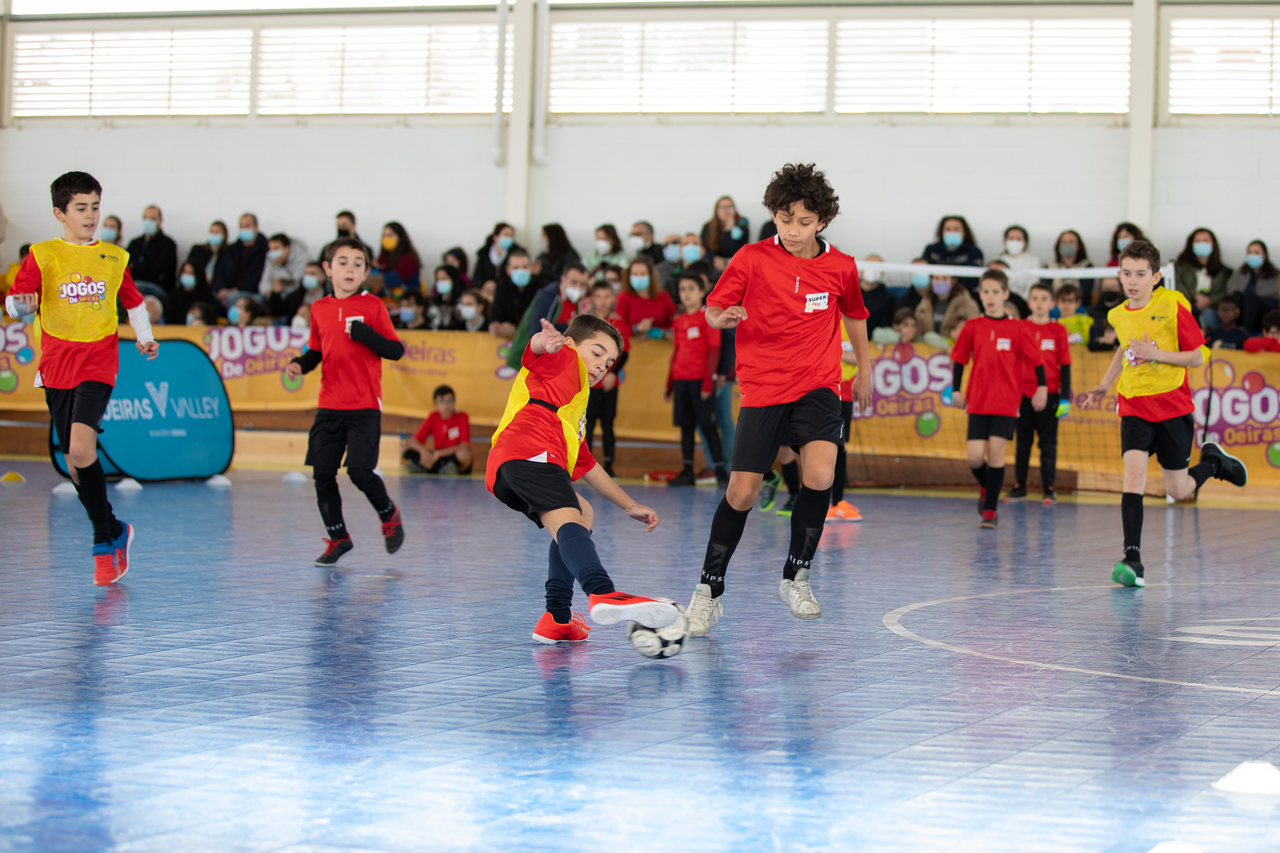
{"x": 1050, "y": 497}
{"x": 333, "y": 551}
{"x": 989, "y": 520}
{"x": 393, "y": 532}
{"x": 1128, "y": 572}
{"x": 1017, "y": 493}
{"x": 722, "y": 477}
{"x": 788, "y": 507}
{"x": 684, "y": 478}
{"x": 1230, "y": 469}
{"x": 769, "y": 490}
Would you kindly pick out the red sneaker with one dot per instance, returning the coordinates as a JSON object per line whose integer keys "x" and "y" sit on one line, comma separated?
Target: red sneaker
{"x": 614, "y": 607}
{"x": 105, "y": 572}
{"x": 549, "y": 631}
{"x": 393, "y": 532}
{"x": 988, "y": 519}
{"x": 982, "y": 499}
{"x": 843, "y": 511}
{"x": 122, "y": 545}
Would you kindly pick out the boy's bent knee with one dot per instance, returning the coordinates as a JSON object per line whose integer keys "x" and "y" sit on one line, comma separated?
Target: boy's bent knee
{"x": 324, "y": 475}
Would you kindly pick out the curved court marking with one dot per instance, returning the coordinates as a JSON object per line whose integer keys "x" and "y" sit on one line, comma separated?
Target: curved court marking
{"x": 893, "y": 621}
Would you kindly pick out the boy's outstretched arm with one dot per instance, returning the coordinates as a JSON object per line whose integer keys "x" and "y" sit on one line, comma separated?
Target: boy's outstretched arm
{"x": 1094, "y": 397}
{"x": 609, "y": 489}
{"x": 857, "y": 330}
{"x": 548, "y": 340}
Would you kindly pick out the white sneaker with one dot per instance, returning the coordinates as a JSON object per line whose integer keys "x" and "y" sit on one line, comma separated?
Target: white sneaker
{"x": 798, "y": 595}
{"x": 703, "y": 611}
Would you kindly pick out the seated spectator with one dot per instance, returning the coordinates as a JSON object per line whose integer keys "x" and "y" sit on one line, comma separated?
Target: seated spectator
{"x": 1069, "y": 253}
{"x": 191, "y": 289}
{"x": 442, "y": 445}
{"x": 1124, "y": 234}
{"x": 1019, "y": 261}
{"x": 920, "y": 283}
{"x": 245, "y": 311}
{"x": 640, "y": 242}
{"x": 644, "y": 306}
{"x": 1067, "y": 301}
{"x": 286, "y": 263}
{"x": 398, "y": 262}
{"x": 1269, "y": 340}
{"x": 1255, "y": 284}
{"x": 902, "y": 330}
{"x": 945, "y": 300}
{"x": 457, "y": 259}
{"x": 207, "y": 256}
{"x": 1200, "y": 275}
{"x": 688, "y": 251}
{"x": 1228, "y": 334}
{"x": 445, "y": 291}
{"x": 302, "y": 319}
{"x": 412, "y": 313}
{"x": 557, "y": 302}
{"x": 511, "y": 294}
{"x": 471, "y": 314}
{"x": 946, "y": 335}
{"x": 492, "y": 256}
{"x": 1102, "y": 337}
{"x": 345, "y": 225}
{"x": 557, "y": 254}
{"x": 313, "y": 286}
{"x": 242, "y": 271}
{"x": 155, "y": 309}
{"x": 607, "y": 250}
{"x": 724, "y": 233}
{"x": 954, "y": 245}
{"x": 876, "y": 297}
{"x": 612, "y": 276}
{"x": 111, "y": 230}
{"x": 487, "y": 289}
{"x": 202, "y": 314}
{"x": 153, "y": 257}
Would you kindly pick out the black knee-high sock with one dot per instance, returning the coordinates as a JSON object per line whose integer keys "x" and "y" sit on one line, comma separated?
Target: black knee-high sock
{"x": 842, "y": 475}
{"x": 807, "y": 519}
{"x": 92, "y": 490}
{"x": 1205, "y": 469}
{"x": 791, "y": 476}
{"x": 995, "y": 482}
{"x": 726, "y": 531}
{"x": 559, "y": 586}
{"x": 980, "y": 474}
{"x": 375, "y": 490}
{"x": 579, "y": 555}
{"x": 329, "y": 500}
{"x": 686, "y": 448}
{"x": 1131, "y": 517}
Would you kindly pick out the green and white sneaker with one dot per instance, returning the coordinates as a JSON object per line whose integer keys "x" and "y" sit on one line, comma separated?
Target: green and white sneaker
{"x": 703, "y": 611}
{"x": 798, "y": 595}
{"x": 1128, "y": 573}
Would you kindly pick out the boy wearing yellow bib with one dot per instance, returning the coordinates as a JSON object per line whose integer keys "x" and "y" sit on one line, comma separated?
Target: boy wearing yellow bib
{"x": 1159, "y": 340}
{"x": 74, "y": 283}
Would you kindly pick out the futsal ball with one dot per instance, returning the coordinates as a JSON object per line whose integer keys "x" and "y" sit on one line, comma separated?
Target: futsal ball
{"x": 663, "y": 642}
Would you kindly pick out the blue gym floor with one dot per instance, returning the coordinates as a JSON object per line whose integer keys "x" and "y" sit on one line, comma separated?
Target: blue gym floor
{"x": 964, "y": 689}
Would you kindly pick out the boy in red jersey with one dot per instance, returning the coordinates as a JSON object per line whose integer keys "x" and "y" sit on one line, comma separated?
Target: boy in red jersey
{"x": 602, "y": 404}
{"x": 690, "y": 380}
{"x": 785, "y": 296}
{"x": 1159, "y": 339}
{"x": 537, "y": 453}
{"x": 449, "y": 432}
{"x": 74, "y": 283}
{"x": 351, "y": 333}
{"x": 1002, "y": 350}
{"x": 1053, "y": 342}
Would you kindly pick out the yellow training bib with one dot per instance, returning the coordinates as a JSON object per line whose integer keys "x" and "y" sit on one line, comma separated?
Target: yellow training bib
{"x": 78, "y": 288}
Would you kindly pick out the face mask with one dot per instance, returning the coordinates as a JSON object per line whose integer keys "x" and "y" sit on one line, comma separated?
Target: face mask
{"x": 505, "y": 242}
{"x": 573, "y": 294}
{"x": 310, "y": 282}
{"x": 390, "y": 243}
{"x": 1068, "y": 250}
{"x": 1253, "y": 261}
{"x": 639, "y": 282}
{"x": 275, "y": 254}
{"x": 445, "y": 287}
{"x": 187, "y": 280}
{"x": 467, "y": 312}
{"x": 671, "y": 252}
{"x": 920, "y": 280}
{"x": 299, "y": 324}
{"x": 941, "y": 288}
{"x": 520, "y": 278}
{"x": 736, "y": 232}
{"x": 247, "y": 235}
{"x": 193, "y": 319}
{"x": 603, "y": 247}
{"x": 691, "y": 253}
{"x": 150, "y": 227}
{"x": 617, "y": 286}
{"x": 215, "y": 239}
{"x": 635, "y": 243}
{"x": 869, "y": 277}
{"x": 1202, "y": 250}
{"x": 1014, "y": 247}
{"x": 233, "y": 315}
{"x": 1123, "y": 243}
{"x": 109, "y": 234}
{"x": 344, "y": 232}
{"x": 952, "y": 239}
{"x": 406, "y": 315}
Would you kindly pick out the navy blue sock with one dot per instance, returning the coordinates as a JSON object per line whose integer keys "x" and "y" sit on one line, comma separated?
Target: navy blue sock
{"x": 806, "y": 529}
{"x": 579, "y": 555}
{"x": 559, "y": 586}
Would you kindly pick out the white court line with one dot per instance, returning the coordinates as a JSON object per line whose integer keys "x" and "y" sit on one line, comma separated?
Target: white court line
{"x": 893, "y": 621}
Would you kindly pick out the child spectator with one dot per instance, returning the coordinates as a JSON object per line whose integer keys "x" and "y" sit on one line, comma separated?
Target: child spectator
{"x": 602, "y": 404}
{"x": 691, "y": 381}
{"x": 472, "y": 314}
{"x": 204, "y": 314}
{"x": 1102, "y": 337}
{"x": 79, "y": 351}
{"x": 1002, "y": 351}
{"x": 946, "y": 336}
{"x": 155, "y": 309}
{"x": 643, "y": 305}
{"x": 442, "y": 445}
{"x": 443, "y": 297}
{"x": 457, "y": 259}
{"x": 284, "y": 268}
{"x": 538, "y": 451}
{"x": 1269, "y": 340}
{"x": 1050, "y": 339}
{"x": 412, "y": 313}
{"x": 351, "y": 333}
{"x": 1228, "y": 334}
{"x": 398, "y": 261}
{"x": 902, "y": 331}
{"x": 606, "y": 250}
{"x": 1067, "y": 300}
{"x": 245, "y": 312}
{"x": 1159, "y": 342}
{"x": 511, "y": 294}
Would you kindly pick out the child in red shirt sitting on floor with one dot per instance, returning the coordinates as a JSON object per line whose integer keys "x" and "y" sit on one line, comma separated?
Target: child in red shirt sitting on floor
{"x": 442, "y": 445}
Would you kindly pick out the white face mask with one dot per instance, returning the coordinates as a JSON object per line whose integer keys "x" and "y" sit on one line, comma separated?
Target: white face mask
{"x": 467, "y": 312}
{"x": 300, "y": 324}
{"x": 1015, "y": 247}
{"x": 871, "y": 277}
{"x": 603, "y": 247}
{"x": 635, "y": 243}
{"x": 572, "y": 294}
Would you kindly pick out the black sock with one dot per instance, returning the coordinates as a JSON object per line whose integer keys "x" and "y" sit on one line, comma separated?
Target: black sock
{"x": 580, "y": 558}
{"x": 559, "y": 586}
{"x": 686, "y": 448}
{"x": 791, "y": 476}
{"x": 807, "y": 518}
{"x": 995, "y": 482}
{"x": 329, "y": 500}
{"x": 1205, "y": 469}
{"x": 842, "y": 475}
{"x": 980, "y": 474}
{"x": 726, "y": 531}
{"x": 93, "y": 496}
{"x": 413, "y": 456}
{"x": 375, "y": 490}
{"x": 1131, "y": 517}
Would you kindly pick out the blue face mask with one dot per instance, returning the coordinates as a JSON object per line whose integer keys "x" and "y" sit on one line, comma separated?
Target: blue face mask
{"x": 247, "y": 235}
{"x": 233, "y": 315}
{"x": 1202, "y": 250}
{"x": 691, "y": 253}
{"x": 187, "y": 280}
{"x": 952, "y": 240}
{"x": 215, "y": 239}
{"x": 109, "y": 234}
{"x": 445, "y": 287}
{"x": 310, "y": 282}
{"x": 671, "y": 252}
{"x": 150, "y": 227}
{"x": 520, "y": 278}
{"x": 920, "y": 280}
{"x": 1123, "y": 243}
{"x": 1254, "y": 262}
{"x": 736, "y": 232}
{"x": 640, "y": 282}
{"x": 274, "y": 254}
{"x": 505, "y": 242}
{"x": 406, "y": 315}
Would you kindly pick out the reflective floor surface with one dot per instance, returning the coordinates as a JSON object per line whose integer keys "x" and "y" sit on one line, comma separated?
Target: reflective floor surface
{"x": 964, "y": 690}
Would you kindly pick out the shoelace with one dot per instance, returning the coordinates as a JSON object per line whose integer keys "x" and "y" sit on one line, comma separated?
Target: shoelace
{"x": 710, "y": 611}
{"x": 331, "y": 545}
{"x": 389, "y": 527}
{"x": 580, "y": 622}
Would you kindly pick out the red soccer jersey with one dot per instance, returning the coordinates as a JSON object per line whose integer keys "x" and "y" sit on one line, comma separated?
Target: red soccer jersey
{"x": 625, "y": 331}
{"x": 789, "y": 344}
{"x": 445, "y": 433}
{"x": 350, "y": 372}
{"x": 1002, "y": 350}
{"x": 65, "y": 363}
{"x": 1055, "y": 349}
{"x": 697, "y": 349}
{"x": 633, "y": 308}
{"x": 1263, "y": 344}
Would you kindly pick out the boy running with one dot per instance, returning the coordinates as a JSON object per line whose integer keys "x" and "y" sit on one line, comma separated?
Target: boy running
{"x": 74, "y": 283}
{"x": 1050, "y": 339}
{"x": 785, "y": 296}
{"x": 1159, "y": 339}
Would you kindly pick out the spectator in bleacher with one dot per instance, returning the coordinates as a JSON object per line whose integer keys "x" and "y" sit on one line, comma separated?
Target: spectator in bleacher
{"x": 920, "y": 283}
{"x": 312, "y": 287}
{"x": 446, "y": 289}
{"x": 398, "y": 261}
{"x": 1269, "y": 340}
{"x": 202, "y": 314}
{"x": 640, "y": 242}
{"x": 471, "y": 314}
{"x": 155, "y": 309}
{"x": 245, "y": 311}
{"x": 286, "y": 263}
{"x": 111, "y": 230}
{"x": 493, "y": 255}
{"x": 1124, "y": 234}
{"x": 643, "y": 304}
{"x": 876, "y": 297}
{"x": 1020, "y": 262}
{"x": 457, "y": 259}
{"x": 902, "y": 329}
{"x": 1200, "y": 275}
{"x": 945, "y": 300}
{"x": 345, "y": 226}
{"x": 606, "y": 250}
{"x": 1228, "y": 334}
{"x": 191, "y": 289}
{"x": 207, "y": 256}
{"x": 1069, "y": 253}
{"x": 1070, "y": 315}
{"x": 954, "y": 244}
{"x": 1102, "y": 337}
{"x": 558, "y": 301}
{"x": 413, "y": 312}
{"x": 612, "y": 276}
{"x": 724, "y": 233}
{"x": 945, "y": 337}
{"x": 153, "y": 257}
{"x": 557, "y": 254}
{"x": 689, "y": 250}
{"x": 511, "y": 294}
{"x": 241, "y": 272}
{"x": 1255, "y": 284}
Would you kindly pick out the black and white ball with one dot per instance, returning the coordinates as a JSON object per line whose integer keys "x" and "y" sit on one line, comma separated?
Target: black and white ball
{"x": 663, "y": 642}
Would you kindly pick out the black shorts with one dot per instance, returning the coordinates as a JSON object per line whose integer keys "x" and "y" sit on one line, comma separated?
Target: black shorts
{"x": 763, "y": 429}
{"x": 686, "y": 402}
{"x": 982, "y": 427}
{"x": 534, "y": 487}
{"x": 84, "y": 404}
{"x": 357, "y": 432}
{"x": 1169, "y": 440}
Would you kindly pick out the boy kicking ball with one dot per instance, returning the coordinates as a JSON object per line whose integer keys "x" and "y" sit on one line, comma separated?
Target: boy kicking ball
{"x": 1160, "y": 340}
